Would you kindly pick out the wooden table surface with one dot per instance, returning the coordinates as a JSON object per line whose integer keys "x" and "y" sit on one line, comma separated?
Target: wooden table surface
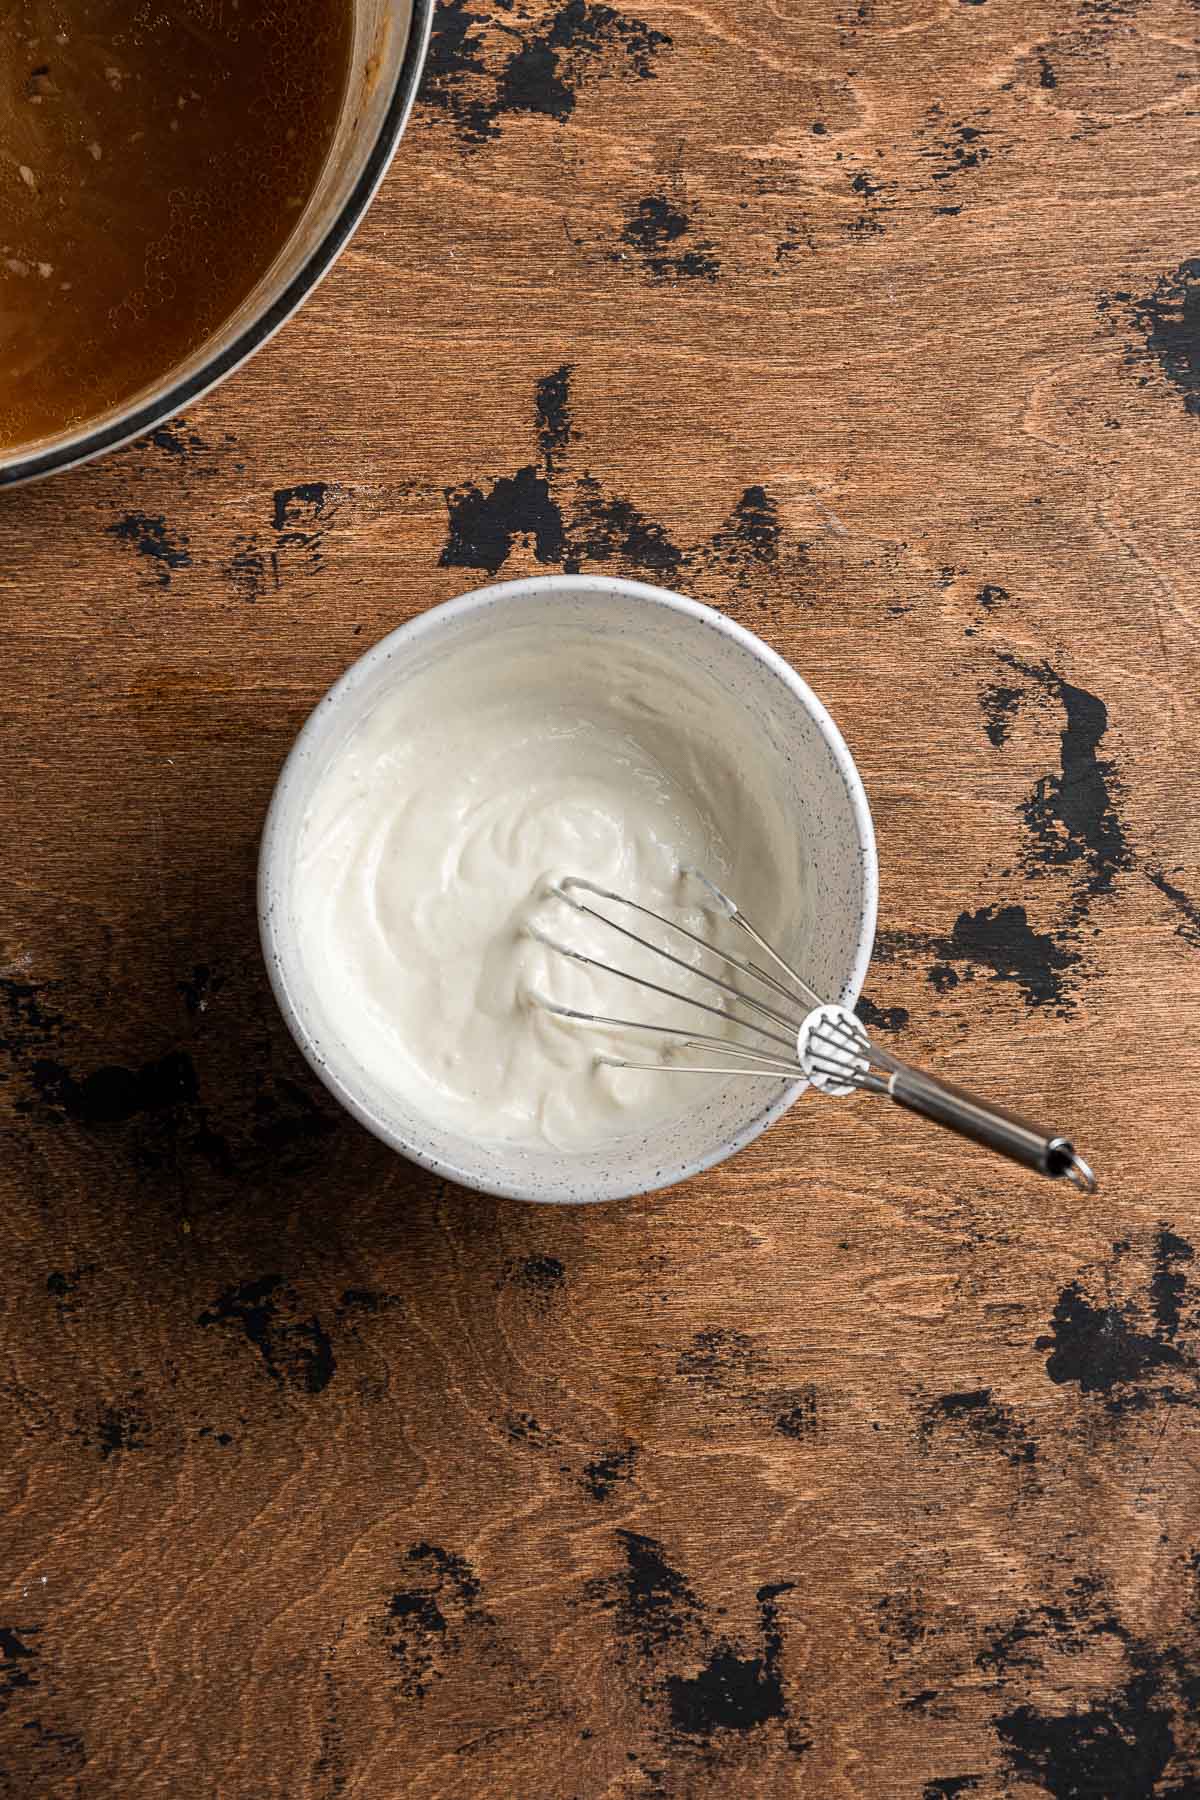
{"x": 860, "y": 1466}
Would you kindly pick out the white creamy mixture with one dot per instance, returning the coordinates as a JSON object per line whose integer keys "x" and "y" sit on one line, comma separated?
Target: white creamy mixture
{"x": 429, "y": 846}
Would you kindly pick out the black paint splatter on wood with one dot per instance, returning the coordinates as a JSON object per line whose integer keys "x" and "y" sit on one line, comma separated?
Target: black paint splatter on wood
{"x": 454, "y": 60}
{"x": 1189, "y": 925}
{"x": 1119, "y": 1745}
{"x": 1168, "y": 1284}
{"x": 869, "y": 220}
{"x": 717, "y": 1356}
{"x": 423, "y": 1618}
{"x": 1072, "y": 816}
{"x": 1118, "y": 1347}
{"x": 26, "y": 1023}
{"x": 300, "y": 517}
{"x": 16, "y": 1652}
{"x": 1169, "y": 318}
{"x": 151, "y": 537}
{"x": 159, "y": 1098}
{"x": 986, "y": 1420}
{"x": 746, "y": 544}
{"x": 295, "y": 1352}
{"x": 569, "y": 519}
{"x": 999, "y": 705}
{"x": 114, "y": 1427}
{"x": 600, "y": 1477}
{"x": 1001, "y": 940}
{"x": 732, "y": 1692}
{"x": 112, "y": 1095}
{"x": 178, "y": 439}
{"x": 960, "y": 149}
{"x": 1099, "y": 1347}
{"x": 287, "y": 1117}
{"x": 715, "y": 1687}
{"x": 485, "y": 526}
{"x": 552, "y": 412}
{"x": 1124, "y": 1741}
{"x": 542, "y": 1276}
{"x": 654, "y": 230}
{"x": 902, "y": 1624}
{"x": 605, "y": 528}
{"x": 295, "y": 510}
{"x": 881, "y": 1018}
{"x": 523, "y": 1428}
{"x": 253, "y": 570}
{"x": 802, "y": 1418}
{"x": 545, "y": 75}
{"x": 949, "y": 1787}
{"x": 478, "y": 77}
{"x": 801, "y": 238}
{"x": 155, "y": 1110}
{"x": 653, "y": 1604}
{"x": 44, "y": 1758}
{"x": 997, "y": 941}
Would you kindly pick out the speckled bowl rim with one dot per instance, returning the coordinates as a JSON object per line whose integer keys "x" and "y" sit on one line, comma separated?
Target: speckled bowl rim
{"x": 436, "y": 619}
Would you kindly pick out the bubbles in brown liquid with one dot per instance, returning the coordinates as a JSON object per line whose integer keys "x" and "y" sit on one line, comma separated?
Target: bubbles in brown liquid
{"x": 155, "y": 155}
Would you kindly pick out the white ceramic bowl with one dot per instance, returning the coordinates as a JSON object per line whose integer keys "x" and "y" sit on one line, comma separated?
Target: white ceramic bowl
{"x": 804, "y": 764}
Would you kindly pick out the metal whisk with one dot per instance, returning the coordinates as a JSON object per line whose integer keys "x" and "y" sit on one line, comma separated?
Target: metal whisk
{"x": 789, "y": 1031}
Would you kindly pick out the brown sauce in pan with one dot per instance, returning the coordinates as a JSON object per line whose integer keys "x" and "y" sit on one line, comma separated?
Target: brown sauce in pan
{"x": 154, "y": 157}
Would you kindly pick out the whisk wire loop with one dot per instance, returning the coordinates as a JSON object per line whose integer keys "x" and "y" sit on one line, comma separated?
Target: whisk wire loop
{"x": 559, "y": 890}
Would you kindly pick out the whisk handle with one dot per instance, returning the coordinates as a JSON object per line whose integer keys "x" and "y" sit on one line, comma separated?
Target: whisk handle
{"x": 973, "y": 1118}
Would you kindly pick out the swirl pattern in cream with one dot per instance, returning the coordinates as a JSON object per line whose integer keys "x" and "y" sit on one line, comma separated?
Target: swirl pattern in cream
{"x": 430, "y": 846}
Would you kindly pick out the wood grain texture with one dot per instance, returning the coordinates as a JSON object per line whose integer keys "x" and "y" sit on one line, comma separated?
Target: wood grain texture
{"x": 859, "y": 1466}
